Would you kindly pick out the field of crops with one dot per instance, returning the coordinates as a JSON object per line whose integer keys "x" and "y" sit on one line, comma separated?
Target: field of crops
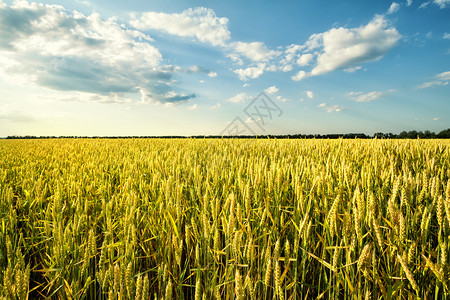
{"x": 224, "y": 219}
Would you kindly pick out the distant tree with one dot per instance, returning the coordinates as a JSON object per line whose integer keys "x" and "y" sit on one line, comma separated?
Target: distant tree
{"x": 412, "y": 134}
{"x": 444, "y": 134}
{"x": 390, "y": 135}
{"x": 402, "y": 135}
{"x": 378, "y": 135}
{"x": 428, "y": 134}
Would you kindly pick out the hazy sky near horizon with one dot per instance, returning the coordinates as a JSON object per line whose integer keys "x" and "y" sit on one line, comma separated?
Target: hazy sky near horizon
{"x": 191, "y": 67}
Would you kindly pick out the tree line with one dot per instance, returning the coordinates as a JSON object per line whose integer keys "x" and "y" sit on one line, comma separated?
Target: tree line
{"x": 413, "y": 134}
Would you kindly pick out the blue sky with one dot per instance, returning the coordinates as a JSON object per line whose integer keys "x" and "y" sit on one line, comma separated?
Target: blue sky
{"x": 195, "y": 67}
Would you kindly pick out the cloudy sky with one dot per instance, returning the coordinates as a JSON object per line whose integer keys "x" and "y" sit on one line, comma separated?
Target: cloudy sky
{"x": 197, "y": 67}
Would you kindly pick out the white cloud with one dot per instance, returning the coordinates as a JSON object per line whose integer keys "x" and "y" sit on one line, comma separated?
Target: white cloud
{"x": 351, "y": 70}
{"x": 245, "y": 85}
{"x": 310, "y": 94}
{"x": 212, "y": 74}
{"x": 215, "y": 106}
{"x": 239, "y": 98}
{"x": 286, "y": 68}
{"x": 280, "y": 98}
{"x": 236, "y": 59}
{"x": 436, "y": 119}
{"x": 57, "y": 32}
{"x": 271, "y": 90}
{"x": 305, "y": 59}
{"x": 408, "y": 2}
{"x": 440, "y": 79}
{"x": 271, "y": 68}
{"x": 366, "y": 97}
{"x": 299, "y": 76}
{"x": 250, "y": 72}
{"x": 291, "y": 52}
{"x": 343, "y": 48}
{"x": 192, "y": 107}
{"x": 393, "y": 8}
{"x": 424, "y": 4}
{"x": 333, "y": 108}
{"x": 255, "y": 51}
{"x": 249, "y": 120}
{"x": 200, "y": 22}
{"x": 442, "y": 3}
{"x": 443, "y": 76}
{"x": 447, "y": 36}
{"x": 63, "y": 50}
{"x": 430, "y": 84}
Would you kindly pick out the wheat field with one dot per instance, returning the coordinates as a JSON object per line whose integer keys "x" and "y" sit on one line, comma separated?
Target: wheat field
{"x": 224, "y": 219}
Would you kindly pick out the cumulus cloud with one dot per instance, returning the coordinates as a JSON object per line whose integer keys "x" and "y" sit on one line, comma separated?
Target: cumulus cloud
{"x": 436, "y": 119}
{"x": 366, "y": 97}
{"x": 440, "y": 79}
{"x": 310, "y": 94}
{"x": 271, "y": 90}
{"x": 250, "y": 72}
{"x": 286, "y": 68}
{"x": 239, "y": 98}
{"x": 393, "y": 8}
{"x": 408, "y": 2}
{"x": 255, "y": 51}
{"x": 64, "y": 50}
{"x": 50, "y": 30}
{"x": 259, "y": 54}
{"x": 305, "y": 59}
{"x": 271, "y": 68}
{"x": 330, "y": 108}
{"x": 201, "y": 23}
{"x": 447, "y": 36}
{"x": 292, "y": 51}
{"x": 343, "y": 48}
{"x": 299, "y": 76}
{"x": 212, "y": 74}
{"x": 236, "y": 59}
